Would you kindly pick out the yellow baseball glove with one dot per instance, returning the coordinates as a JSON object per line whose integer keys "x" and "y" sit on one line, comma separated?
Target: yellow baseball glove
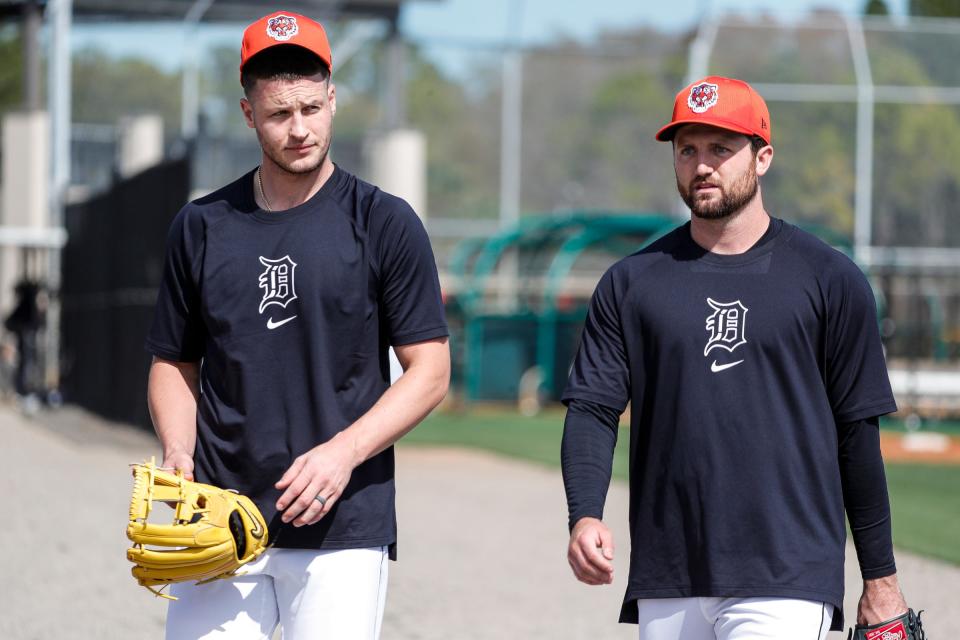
{"x": 214, "y": 531}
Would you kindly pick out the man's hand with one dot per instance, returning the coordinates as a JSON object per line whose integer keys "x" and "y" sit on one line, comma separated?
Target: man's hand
{"x": 179, "y": 459}
{"x": 881, "y": 601}
{"x": 323, "y": 471}
{"x": 590, "y": 553}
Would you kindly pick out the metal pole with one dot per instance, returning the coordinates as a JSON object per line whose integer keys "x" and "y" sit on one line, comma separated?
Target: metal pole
{"x": 59, "y": 104}
{"x": 190, "y": 78}
{"x": 511, "y": 136}
{"x": 863, "y": 198}
{"x": 189, "y": 91}
{"x": 31, "y": 55}
{"x": 511, "y": 127}
{"x": 395, "y": 102}
{"x": 698, "y": 67}
{"x": 702, "y": 47}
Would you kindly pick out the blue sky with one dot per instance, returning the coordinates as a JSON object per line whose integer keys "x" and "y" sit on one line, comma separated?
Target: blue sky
{"x": 477, "y": 21}
{"x": 542, "y": 19}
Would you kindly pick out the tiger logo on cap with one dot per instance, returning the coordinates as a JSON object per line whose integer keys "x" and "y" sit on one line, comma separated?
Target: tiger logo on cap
{"x": 282, "y": 28}
{"x": 702, "y": 97}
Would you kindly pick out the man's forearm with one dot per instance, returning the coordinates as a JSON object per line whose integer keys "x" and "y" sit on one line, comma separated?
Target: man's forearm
{"x": 865, "y": 497}
{"x": 586, "y": 455}
{"x": 172, "y": 392}
{"x": 409, "y": 400}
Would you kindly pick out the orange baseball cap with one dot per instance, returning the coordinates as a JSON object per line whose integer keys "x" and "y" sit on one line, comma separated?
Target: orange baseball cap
{"x": 721, "y": 102}
{"x": 285, "y": 27}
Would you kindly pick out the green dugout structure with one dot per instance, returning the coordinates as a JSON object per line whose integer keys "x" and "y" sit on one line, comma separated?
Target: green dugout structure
{"x": 522, "y": 296}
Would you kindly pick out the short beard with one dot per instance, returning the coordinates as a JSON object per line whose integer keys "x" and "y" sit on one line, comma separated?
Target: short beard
{"x": 732, "y": 200}
{"x": 279, "y": 163}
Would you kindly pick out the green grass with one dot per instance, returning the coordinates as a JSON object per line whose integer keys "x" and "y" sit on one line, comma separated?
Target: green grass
{"x": 925, "y": 504}
{"x": 535, "y": 439}
{"x": 925, "y": 499}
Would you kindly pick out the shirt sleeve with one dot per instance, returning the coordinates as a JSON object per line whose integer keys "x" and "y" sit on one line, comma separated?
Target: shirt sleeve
{"x": 856, "y": 372}
{"x": 409, "y": 284}
{"x": 865, "y": 496}
{"x": 600, "y": 371}
{"x": 178, "y": 332}
{"x": 586, "y": 457}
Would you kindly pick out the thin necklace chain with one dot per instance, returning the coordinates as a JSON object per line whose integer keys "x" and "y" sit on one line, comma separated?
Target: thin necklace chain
{"x": 263, "y": 194}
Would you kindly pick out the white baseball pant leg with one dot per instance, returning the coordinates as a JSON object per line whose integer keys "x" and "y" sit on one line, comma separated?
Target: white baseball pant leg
{"x": 320, "y": 595}
{"x": 733, "y": 619}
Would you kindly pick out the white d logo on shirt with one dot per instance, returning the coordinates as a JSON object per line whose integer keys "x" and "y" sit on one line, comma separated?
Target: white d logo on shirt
{"x": 726, "y": 325}
{"x": 277, "y": 282}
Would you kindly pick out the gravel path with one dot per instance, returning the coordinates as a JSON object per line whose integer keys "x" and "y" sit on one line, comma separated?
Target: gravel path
{"x": 482, "y": 545}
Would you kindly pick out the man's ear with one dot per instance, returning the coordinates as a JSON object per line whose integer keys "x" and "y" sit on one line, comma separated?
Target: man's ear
{"x": 247, "y": 109}
{"x": 332, "y": 98}
{"x": 764, "y": 159}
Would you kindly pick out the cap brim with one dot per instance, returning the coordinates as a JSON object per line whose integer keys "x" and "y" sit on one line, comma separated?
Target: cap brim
{"x": 666, "y": 133}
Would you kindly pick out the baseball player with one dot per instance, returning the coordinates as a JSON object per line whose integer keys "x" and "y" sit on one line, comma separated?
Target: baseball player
{"x": 281, "y": 295}
{"x": 750, "y": 354}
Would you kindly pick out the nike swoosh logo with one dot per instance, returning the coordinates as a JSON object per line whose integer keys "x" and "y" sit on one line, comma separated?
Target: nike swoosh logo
{"x": 273, "y": 325}
{"x": 257, "y": 530}
{"x": 720, "y": 367}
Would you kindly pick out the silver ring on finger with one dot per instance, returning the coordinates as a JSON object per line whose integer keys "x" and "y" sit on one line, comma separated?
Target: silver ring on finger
{"x": 321, "y": 500}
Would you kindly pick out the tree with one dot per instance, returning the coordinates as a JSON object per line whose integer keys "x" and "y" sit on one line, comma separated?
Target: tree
{"x": 461, "y": 123}
{"x": 916, "y": 184}
{"x": 11, "y": 70}
{"x": 935, "y": 8}
{"x": 589, "y": 121}
{"x": 220, "y": 93}
{"x": 106, "y": 89}
{"x": 628, "y": 168}
{"x": 876, "y": 8}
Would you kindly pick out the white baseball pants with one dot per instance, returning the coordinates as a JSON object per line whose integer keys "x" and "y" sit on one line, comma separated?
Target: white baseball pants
{"x": 320, "y": 595}
{"x": 733, "y": 619}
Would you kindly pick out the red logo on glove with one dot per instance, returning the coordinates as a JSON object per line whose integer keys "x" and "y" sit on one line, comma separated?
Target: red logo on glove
{"x": 892, "y": 631}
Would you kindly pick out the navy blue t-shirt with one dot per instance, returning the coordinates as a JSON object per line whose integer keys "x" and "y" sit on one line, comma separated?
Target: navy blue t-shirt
{"x": 292, "y": 314}
{"x": 738, "y": 369}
